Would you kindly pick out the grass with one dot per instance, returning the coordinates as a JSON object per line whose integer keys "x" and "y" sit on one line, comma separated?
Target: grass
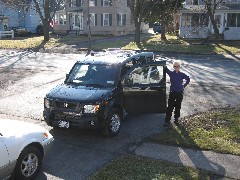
{"x": 149, "y": 42}
{"x": 217, "y": 130}
{"x": 133, "y": 167}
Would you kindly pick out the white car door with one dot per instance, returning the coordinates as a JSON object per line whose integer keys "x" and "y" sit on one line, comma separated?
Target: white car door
{"x": 4, "y": 159}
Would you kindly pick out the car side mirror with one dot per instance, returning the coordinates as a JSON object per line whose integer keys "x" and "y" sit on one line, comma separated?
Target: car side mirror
{"x": 67, "y": 75}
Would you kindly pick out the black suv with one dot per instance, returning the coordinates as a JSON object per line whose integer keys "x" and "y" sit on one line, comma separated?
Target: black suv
{"x": 102, "y": 87}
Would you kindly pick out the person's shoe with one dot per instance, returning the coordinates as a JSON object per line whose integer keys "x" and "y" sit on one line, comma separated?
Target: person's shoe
{"x": 176, "y": 122}
{"x": 166, "y": 124}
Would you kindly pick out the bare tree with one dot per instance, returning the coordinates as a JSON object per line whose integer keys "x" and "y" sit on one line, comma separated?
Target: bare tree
{"x": 46, "y": 11}
{"x": 139, "y": 9}
{"x": 211, "y": 6}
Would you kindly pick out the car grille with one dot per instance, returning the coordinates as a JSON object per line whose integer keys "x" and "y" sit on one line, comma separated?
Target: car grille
{"x": 67, "y": 105}
{"x": 68, "y": 117}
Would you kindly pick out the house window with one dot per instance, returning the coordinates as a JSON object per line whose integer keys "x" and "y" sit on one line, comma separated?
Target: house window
{"x": 233, "y": 20}
{"x": 78, "y": 3}
{"x": 56, "y": 19}
{"x": 192, "y": 2}
{"x": 72, "y": 3}
{"x": 92, "y": 2}
{"x": 186, "y": 20}
{"x": 106, "y": 3}
{"x": 128, "y": 3}
{"x": 195, "y": 2}
{"x": 121, "y": 19}
{"x": 105, "y": 19}
{"x": 62, "y": 19}
{"x": 195, "y": 20}
{"x": 93, "y": 19}
{"x": 204, "y": 20}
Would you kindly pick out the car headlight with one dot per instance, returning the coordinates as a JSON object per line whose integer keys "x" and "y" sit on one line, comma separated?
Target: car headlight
{"x": 46, "y": 103}
{"x": 91, "y": 108}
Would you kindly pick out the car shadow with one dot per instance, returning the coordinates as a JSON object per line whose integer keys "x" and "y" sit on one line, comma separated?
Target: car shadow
{"x": 78, "y": 153}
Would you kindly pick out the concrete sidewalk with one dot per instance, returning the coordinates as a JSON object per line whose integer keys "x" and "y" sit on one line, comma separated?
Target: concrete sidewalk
{"x": 221, "y": 164}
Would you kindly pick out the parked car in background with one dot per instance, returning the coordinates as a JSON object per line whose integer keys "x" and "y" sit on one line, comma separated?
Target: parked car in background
{"x": 22, "y": 147}
{"x": 100, "y": 88}
{"x": 156, "y": 27}
{"x": 20, "y": 31}
{"x": 39, "y": 30}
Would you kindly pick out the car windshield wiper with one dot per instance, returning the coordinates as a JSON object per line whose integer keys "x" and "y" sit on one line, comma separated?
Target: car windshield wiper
{"x": 1, "y": 134}
{"x": 94, "y": 85}
{"x": 75, "y": 83}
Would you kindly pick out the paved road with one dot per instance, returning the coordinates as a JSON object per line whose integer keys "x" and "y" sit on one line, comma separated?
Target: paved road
{"x": 25, "y": 78}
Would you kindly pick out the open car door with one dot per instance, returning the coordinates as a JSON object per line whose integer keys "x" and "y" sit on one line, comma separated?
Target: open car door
{"x": 144, "y": 88}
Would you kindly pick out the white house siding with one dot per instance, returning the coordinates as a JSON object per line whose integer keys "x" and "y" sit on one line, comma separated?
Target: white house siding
{"x": 193, "y": 32}
{"x": 229, "y": 32}
{"x": 233, "y": 33}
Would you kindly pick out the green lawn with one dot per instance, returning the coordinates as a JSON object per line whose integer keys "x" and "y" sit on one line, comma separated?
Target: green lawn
{"x": 140, "y": 168}
{"x": 217, "y": 130}
{"x": 150, "y": 42}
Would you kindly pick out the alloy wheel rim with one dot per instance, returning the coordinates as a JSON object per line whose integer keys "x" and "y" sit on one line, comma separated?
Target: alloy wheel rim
{"x": 29, "y": 165}
{"x": 115, "y": 123}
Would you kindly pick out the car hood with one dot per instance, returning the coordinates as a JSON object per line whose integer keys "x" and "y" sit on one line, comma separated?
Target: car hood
{"x": 78, "y": 93}
{"x": 18, "y": 128}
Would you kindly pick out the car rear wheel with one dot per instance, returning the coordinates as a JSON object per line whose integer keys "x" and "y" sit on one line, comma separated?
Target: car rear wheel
{"x": 113, "y": 122}
{"x": 28, "y": 163}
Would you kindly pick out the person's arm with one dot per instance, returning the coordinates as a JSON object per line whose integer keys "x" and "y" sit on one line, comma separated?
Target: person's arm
{"x": 167, "y": 70}
{"x": 187, "y": 78}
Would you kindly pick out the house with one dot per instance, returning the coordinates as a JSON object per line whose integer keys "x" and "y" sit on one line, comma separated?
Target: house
{"x": 195, "y": 23}
{"x": 107, "y": 17}
{"x": 23, "y": 15}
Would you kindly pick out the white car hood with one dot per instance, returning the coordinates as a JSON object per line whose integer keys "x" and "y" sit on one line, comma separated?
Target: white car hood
{"x": 18, "y": 128}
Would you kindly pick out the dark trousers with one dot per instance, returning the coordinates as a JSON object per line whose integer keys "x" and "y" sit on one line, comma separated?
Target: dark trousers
{"x": 174, "y": 100}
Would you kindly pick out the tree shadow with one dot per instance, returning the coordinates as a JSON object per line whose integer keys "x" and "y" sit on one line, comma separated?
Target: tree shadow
{"x": 189, "y": 154}
{"x": 40, "y": 46}
{"x": 228, "y": 52}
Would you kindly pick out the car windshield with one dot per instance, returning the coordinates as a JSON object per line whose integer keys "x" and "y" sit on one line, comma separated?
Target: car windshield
{"x": 96, "y": 75}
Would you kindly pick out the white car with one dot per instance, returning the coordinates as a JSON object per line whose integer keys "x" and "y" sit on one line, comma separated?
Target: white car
{"x": 22, "y": 147}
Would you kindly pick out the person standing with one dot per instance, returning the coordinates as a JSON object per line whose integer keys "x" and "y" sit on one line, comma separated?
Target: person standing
{"x": 176, "y": 92}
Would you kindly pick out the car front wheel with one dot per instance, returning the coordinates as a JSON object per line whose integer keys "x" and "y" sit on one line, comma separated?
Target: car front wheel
{"x": 28, "y": 163}
{"x": 113, "y": 122}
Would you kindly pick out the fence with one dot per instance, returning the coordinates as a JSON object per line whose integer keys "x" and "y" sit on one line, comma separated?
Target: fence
{"x": 6, "y": 33}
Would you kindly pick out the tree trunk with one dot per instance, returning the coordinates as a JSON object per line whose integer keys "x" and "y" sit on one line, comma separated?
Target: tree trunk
{"x": 137, "y": 32}
{"x": 163, "y": 31}
{"x": 215, "y": 28}
{"x": 46, "y": 25}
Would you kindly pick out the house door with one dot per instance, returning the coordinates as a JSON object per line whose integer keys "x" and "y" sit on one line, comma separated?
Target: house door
{"x": 78, "y": 21}
{"x": 144, "y": 88}
{"x": 219, "y": 21}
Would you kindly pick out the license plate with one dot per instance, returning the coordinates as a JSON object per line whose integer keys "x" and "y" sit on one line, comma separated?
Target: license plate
{"x": 63, "y": 124}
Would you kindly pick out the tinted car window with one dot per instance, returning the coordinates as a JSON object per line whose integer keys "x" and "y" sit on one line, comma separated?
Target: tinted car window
{"x": 145, "y": 75}
{"x": 93, "y": 74}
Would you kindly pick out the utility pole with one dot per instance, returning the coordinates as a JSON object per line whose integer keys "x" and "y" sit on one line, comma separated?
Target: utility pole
{"x": 89, "y": 30}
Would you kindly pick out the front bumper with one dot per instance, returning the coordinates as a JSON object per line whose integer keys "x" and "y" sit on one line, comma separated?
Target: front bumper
{"x": 47, "y": 144}
{"x": 75, "y": 120}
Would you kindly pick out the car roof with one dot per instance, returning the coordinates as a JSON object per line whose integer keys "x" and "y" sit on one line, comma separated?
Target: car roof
{"x": 115, "y": 56}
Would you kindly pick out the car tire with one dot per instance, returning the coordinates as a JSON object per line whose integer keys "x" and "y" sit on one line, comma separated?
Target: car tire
{"x": 112, "y": 124}
{"x": 28, "y": 163}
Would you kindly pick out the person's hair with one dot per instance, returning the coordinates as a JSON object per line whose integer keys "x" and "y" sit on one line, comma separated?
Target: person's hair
{"x": 177, "y": 63}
